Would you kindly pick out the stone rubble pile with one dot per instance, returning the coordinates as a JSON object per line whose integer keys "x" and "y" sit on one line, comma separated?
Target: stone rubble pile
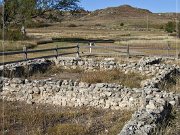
{"x": 149, "y": 61}
{"x": 157, "y": 104}
{"x": 156, "y": 109}
{"x": 70, "y": 93}
{"x": 21, "y": 69}
{"x": 146, "y": 66}
{"x": 161, "y": 76}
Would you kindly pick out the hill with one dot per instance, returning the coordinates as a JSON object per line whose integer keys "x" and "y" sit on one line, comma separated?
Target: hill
{"x": 118, "y": 12}
{"x": 130, "y": 16}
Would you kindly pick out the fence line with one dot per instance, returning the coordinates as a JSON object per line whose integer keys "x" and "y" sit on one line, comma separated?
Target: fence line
{"x": 91, "y": 46}
{"x": 129, "y": 48}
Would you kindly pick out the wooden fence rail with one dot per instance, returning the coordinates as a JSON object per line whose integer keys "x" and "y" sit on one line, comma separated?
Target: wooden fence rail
{"x": 25, "y": 53}
{"x": 129, "y": 49}
{"x": 34, "y": 51}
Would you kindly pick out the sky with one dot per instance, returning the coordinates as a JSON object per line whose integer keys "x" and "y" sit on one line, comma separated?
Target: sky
{"x": 156, "y": 6}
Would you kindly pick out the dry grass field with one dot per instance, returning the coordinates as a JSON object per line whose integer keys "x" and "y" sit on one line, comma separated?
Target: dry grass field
{"x": 147, "y": 43}
{"x": 19, "y": 119}
{"x": 16, "y": 45}
{"x": 153, "y": 42}
{"x": 131, "y": 80}
{"x": 174, "y": 124}
{"x": 172, "y": 84}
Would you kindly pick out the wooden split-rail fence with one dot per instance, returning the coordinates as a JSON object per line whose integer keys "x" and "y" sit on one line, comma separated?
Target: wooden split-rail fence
{"x": 91, "y": 46}
{"x": 25, "y": 53}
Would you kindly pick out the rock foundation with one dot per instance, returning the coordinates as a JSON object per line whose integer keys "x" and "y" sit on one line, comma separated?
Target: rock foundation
{"x": 152, "y": 104}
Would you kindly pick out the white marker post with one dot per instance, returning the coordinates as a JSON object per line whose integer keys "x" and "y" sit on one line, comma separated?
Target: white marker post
{"x": 90, "y": 49}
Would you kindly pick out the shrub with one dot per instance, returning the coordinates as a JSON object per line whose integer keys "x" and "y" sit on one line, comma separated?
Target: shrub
{"x": 72, "y": 25}
{"x": 172, "y": 84}
{"x": 121, "y": 24}
{"x": 52, "y": 17}
{"x": 161, "y": 27}
{"x": 37, "y": 25}
{"x": 170, "y": 27}
{"x": 98, "y": 24}
{"x": 13, "y": 35}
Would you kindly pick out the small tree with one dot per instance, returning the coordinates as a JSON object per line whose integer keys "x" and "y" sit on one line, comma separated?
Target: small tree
{"x": 170, "y": 27}
{"x": 44, "y": 6}
{"x": 22, "y": 12}
{"x": 17, "y": 13}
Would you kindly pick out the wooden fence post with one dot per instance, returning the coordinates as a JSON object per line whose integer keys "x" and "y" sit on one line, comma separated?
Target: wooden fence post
{"x": 25, "y": 52}
{"x": 56, "y": 51}
{"x": 128, "y": 55}
{"x": 78, "y": 51}
{"x": 178, "y": 55}
{"x": 168, "y": 48}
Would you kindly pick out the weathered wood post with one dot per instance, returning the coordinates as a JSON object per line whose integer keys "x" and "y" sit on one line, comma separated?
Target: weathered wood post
{"x": 168, "y": 48}
{"x": 25, "y": 53}
{"x": 128, "y": 55}
{"x": 78, "y": 51}
{"x": 56, "y": 51}
{"x": 178, "y": 55}
{"x": 90, "y": 49}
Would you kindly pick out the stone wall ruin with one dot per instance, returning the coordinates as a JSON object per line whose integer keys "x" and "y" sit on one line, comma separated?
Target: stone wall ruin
{"x": 152, "y": 104}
